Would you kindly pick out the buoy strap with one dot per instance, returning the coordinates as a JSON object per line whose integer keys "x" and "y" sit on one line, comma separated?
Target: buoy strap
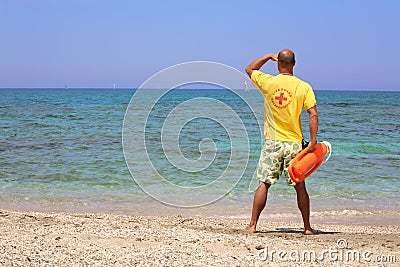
{"x": 329, "y": 148}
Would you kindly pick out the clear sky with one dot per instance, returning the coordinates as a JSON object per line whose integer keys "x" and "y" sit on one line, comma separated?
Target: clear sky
{"x": 339, "y": 44}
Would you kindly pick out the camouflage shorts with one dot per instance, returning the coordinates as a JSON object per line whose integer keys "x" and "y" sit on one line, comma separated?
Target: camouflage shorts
{"x": 276, "y": 157}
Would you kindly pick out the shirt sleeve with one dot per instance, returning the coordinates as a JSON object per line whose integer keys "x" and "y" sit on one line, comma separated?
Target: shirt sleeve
{"x": 260, "y": 80}
{"x": 309, "y": 100}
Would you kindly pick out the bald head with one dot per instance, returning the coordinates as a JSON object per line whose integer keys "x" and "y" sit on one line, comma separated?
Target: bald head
{"x": 286, "y": 56}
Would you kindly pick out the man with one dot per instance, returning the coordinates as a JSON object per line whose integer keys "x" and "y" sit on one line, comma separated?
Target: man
{"x": 284, "y": 97}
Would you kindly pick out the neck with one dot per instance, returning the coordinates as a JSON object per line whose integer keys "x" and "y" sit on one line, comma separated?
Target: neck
{"x": 285, "y": 70}
{"x": 286, "y": 73}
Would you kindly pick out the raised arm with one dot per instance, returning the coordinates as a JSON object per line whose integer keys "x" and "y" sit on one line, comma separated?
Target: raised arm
{"x": 259, "y": 62}
{"x": 313, "y": 123}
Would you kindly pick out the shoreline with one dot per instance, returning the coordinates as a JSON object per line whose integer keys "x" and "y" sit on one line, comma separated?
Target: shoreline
{"x": 221, "y": 211}
{"x": 39, "y": 238}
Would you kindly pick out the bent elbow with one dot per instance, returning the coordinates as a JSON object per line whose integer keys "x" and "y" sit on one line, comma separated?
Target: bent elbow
{"x": 249, "y": 70}
{"x": 314, "y": 117}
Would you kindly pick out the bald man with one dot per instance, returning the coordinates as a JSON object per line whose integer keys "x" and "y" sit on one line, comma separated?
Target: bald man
{"x": 284, "y": 98}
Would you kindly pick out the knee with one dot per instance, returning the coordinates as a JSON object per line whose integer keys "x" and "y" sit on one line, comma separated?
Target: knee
{"x": 300, "y": 187}
{"x": 263, "y": 186}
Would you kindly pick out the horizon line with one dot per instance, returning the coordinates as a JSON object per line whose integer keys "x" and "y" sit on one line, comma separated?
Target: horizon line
{"x": 127, "y": 88}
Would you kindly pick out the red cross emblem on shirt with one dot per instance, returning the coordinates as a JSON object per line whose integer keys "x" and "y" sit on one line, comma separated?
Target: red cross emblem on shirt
{"x": 281, "y": 98}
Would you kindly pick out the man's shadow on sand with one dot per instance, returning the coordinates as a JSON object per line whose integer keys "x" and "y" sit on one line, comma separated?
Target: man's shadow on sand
{"x": 295, "y": 231}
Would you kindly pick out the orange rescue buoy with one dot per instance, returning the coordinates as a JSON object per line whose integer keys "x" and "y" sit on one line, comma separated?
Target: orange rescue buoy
{"x": 307, "y": 162}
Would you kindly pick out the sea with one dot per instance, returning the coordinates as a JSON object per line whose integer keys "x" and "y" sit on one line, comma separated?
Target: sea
{"x": 193, "y": 152}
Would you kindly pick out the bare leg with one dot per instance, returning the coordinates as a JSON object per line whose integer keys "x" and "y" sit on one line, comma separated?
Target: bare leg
{"x": 303, "y": 202}
{"x": 260, "y": 198}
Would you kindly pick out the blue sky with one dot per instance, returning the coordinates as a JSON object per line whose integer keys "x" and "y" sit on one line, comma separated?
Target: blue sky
{"x": 95, "y": 43}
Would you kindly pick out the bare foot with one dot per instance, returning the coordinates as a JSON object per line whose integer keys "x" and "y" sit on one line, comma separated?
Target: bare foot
{"x": 251, "y": 229}
{"x": 310, "y": 231}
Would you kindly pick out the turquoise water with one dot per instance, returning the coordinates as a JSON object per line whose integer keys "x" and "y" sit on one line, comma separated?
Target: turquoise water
{"x": 62, "y": 149}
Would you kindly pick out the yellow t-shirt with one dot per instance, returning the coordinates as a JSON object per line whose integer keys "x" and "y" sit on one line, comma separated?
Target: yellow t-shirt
{"x": 284, "y": 98}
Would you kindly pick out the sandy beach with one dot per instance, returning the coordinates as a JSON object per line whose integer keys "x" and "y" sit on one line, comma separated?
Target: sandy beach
{"x": 68, "y": 239}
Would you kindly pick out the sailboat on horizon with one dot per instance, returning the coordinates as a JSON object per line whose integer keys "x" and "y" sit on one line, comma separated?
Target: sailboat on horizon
{"x": 246, "y": 86}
